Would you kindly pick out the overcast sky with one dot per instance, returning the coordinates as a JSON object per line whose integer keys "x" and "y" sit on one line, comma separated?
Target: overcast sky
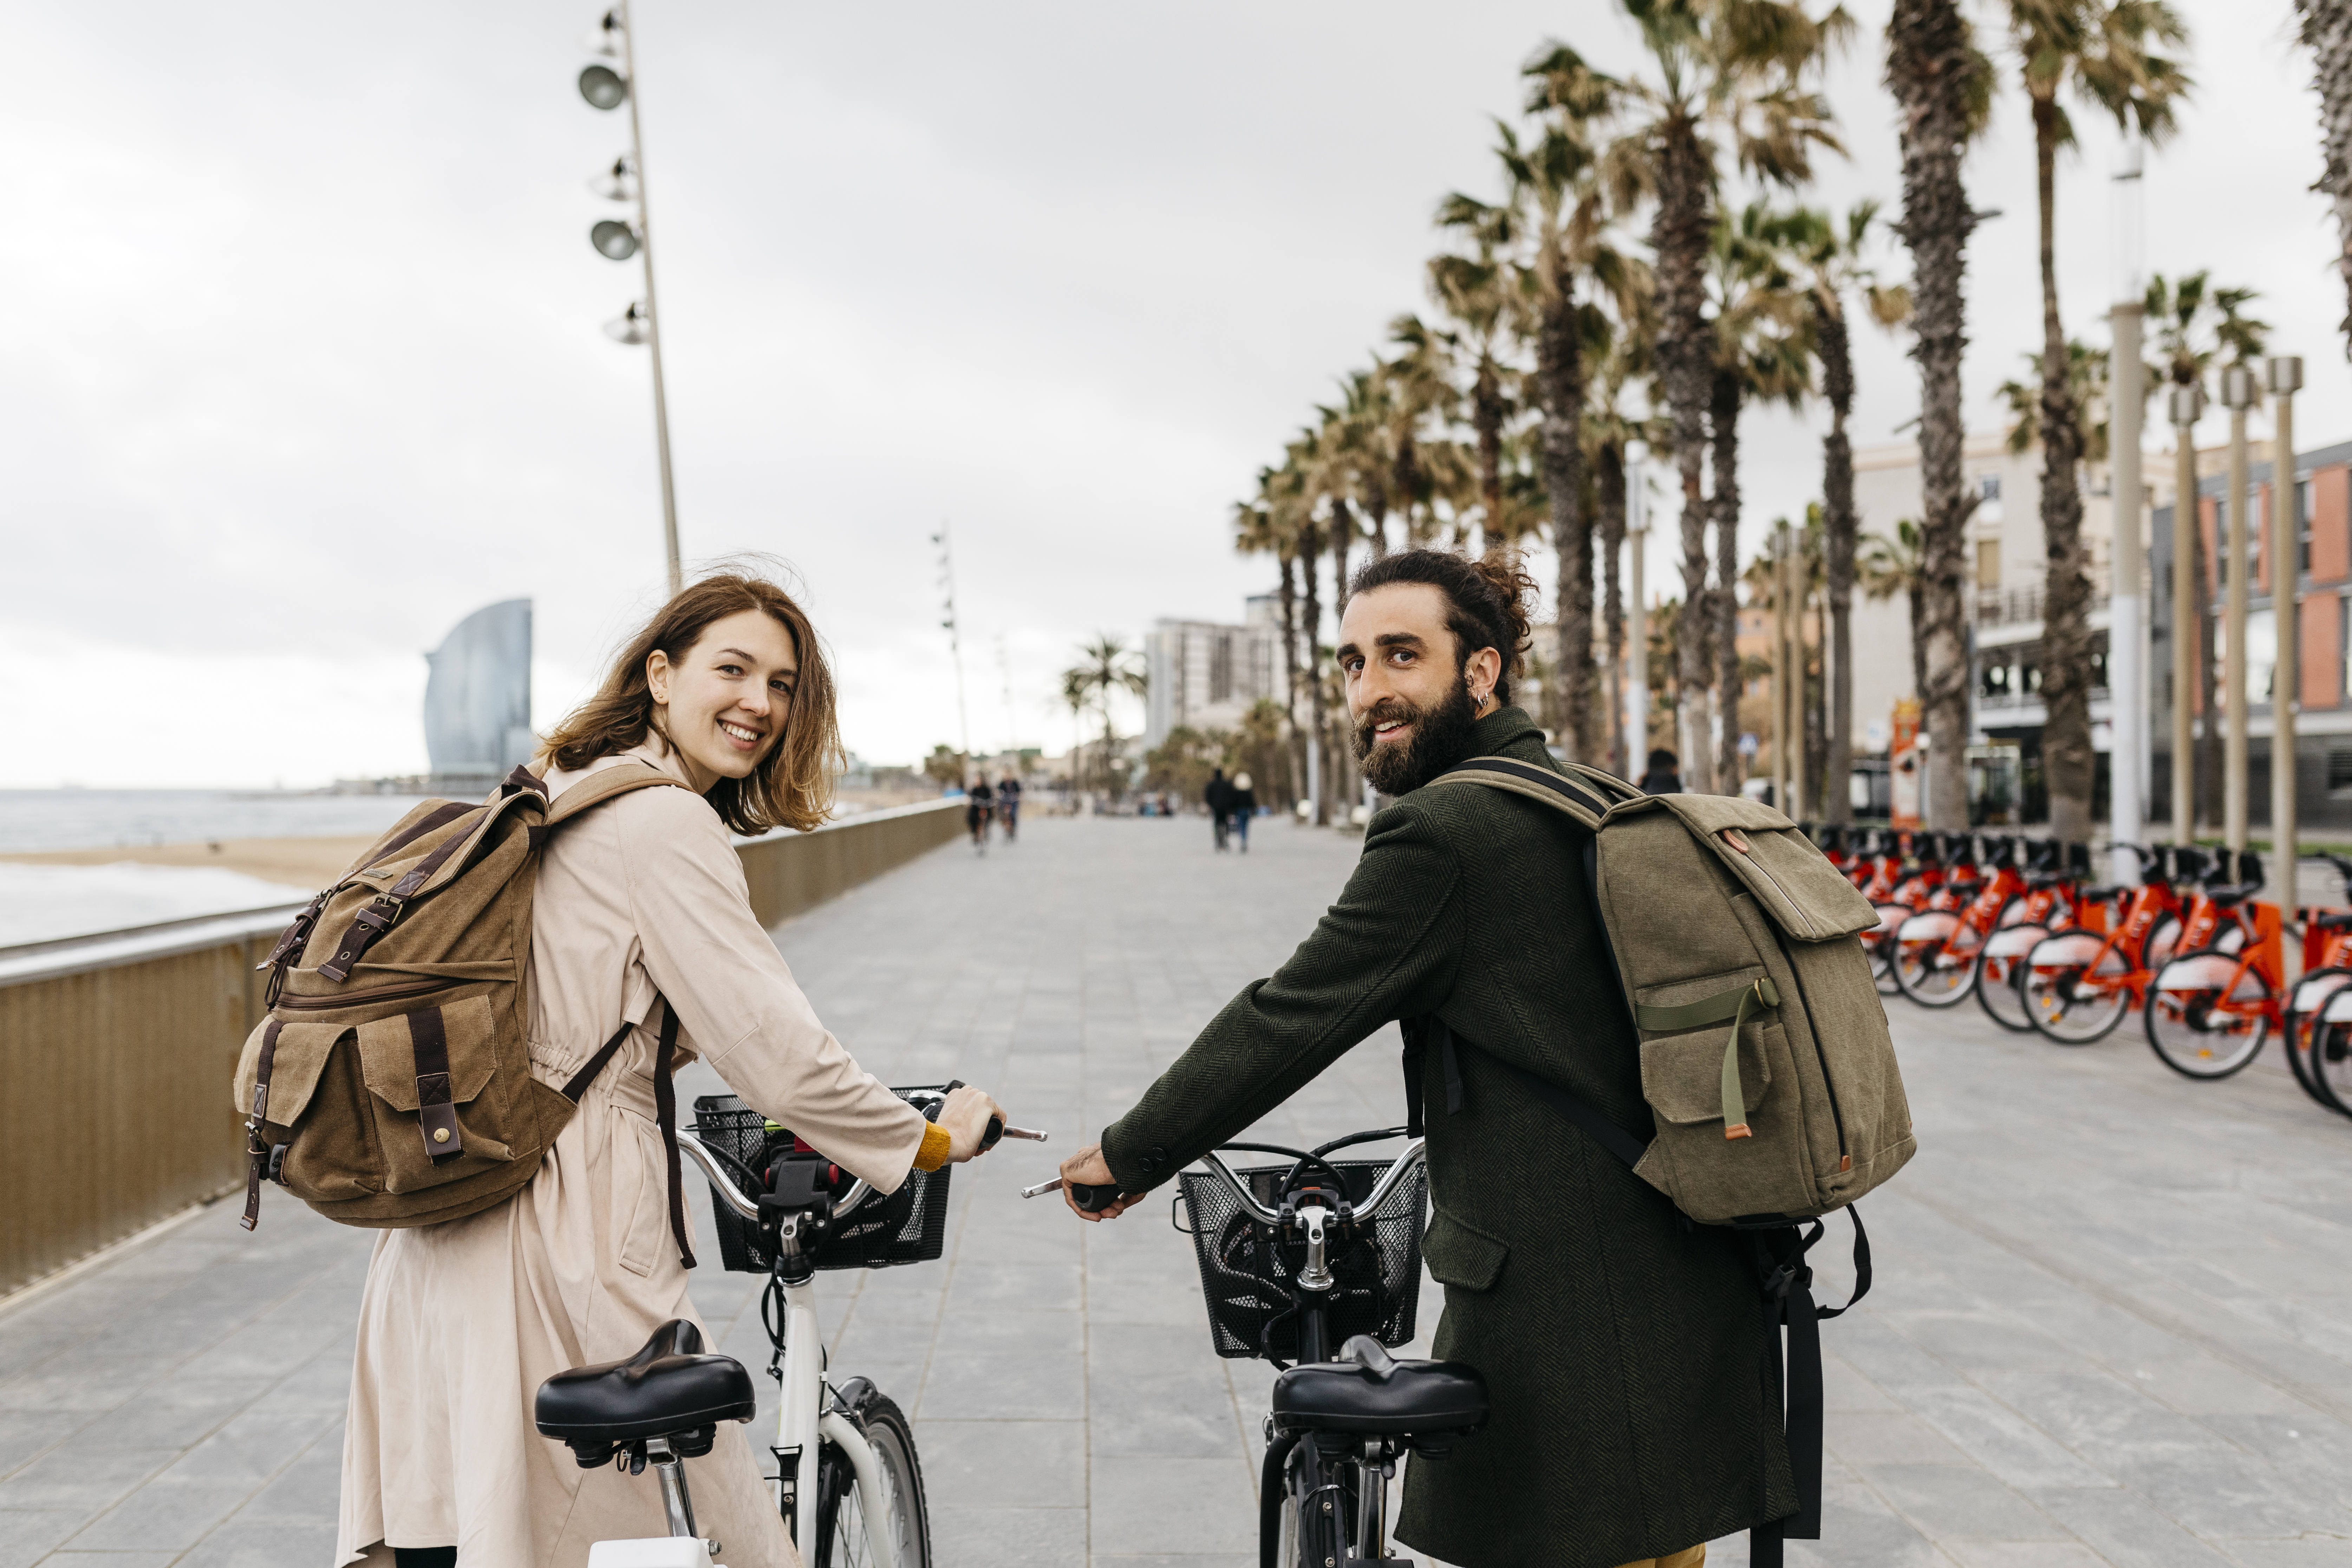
{"x": 304, "y": 363}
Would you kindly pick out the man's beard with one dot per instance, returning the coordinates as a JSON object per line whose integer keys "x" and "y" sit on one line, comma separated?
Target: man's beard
{"x": 1441, "y": 738}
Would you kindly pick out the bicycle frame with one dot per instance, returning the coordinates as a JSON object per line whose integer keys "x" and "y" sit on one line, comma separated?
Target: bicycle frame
{"x": 803, "y": 1415}
{"x": 2262, "y": 955}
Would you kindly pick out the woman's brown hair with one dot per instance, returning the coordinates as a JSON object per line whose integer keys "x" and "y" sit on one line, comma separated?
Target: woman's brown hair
{"x": 792, "y": 785}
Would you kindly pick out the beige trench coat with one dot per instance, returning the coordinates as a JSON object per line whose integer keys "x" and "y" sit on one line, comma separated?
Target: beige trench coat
{"x": 460, "y": 1323}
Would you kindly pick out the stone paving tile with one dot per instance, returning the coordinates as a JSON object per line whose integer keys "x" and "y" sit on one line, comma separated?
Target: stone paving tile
{"x": 2085, "y": 1344}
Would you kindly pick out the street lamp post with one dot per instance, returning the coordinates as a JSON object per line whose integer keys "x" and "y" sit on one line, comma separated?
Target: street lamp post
{"x": 2187, "y": 404}
{"x": 2126, "y": 624}
{"x": 1637, "y": 682}
{"x": 1777, "y": 769}
{"x": 2234, "y": 537}
{"x": 2286, "y": 378}
{"x": 606, "y": 88}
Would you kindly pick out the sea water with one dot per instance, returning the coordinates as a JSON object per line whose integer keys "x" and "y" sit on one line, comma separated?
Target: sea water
{"x": 42, "y": 903}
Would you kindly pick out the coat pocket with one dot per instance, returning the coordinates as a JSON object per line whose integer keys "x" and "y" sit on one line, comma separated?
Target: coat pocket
{"x": 1461, "y": 1255}
{"x": 640, "y": 1194}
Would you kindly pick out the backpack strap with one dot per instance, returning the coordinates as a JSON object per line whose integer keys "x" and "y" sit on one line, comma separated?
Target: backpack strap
{"x": 601, "y": 786}
{"x": 1572, "y": 796}
{"x": 665, "y": 1107}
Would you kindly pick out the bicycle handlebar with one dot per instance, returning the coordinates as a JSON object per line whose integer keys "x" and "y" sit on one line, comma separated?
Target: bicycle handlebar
{"x": 723, "y": 1187}
{"x": 1414, "y": 1154}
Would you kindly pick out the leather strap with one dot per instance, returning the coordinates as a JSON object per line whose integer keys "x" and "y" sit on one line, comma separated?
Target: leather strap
{"x": 665, "y": 1109}
{"x": 383, "y": 909}
{"x": 257, "y": 1150}
{"x": 436, "y": 1118}
{"x": 577, "y": 1084}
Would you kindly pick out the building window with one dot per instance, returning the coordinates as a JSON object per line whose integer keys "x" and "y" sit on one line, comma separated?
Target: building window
{"x": 1988, "y": 563}
{"x": 2221, "y": 541}
{"x": 2339, "y": 768}
{"x": 1988, "y": 487}
{"x": 1994, "y": 687}
{"x": 2303, "y": 525}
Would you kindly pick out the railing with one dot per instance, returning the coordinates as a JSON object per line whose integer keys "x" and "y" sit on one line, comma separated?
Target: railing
{"x": 116, "y": 1050}
{"x": 2013, "y": 606}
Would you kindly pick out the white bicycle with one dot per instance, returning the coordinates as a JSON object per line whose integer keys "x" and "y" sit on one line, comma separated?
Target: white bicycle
{"x": 848, "y": 1483}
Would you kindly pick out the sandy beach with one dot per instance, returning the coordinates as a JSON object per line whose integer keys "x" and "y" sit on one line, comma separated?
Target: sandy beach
{"x": 296, "y": 862}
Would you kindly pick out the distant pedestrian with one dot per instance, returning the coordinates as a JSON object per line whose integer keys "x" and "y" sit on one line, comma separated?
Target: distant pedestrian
{"x": 1242, "y": 806}
{"x": 1219, "y": 798}
{"x": 979, "y": 805}
{"x": 1008, "y": 806}
{"x": 1661, "y": 778}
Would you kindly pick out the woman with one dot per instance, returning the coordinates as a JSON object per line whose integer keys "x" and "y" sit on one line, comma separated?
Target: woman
{"x": 726, "y": 691}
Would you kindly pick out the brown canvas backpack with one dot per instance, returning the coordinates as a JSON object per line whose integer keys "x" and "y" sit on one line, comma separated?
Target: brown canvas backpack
{"x": 390, "y": 1083}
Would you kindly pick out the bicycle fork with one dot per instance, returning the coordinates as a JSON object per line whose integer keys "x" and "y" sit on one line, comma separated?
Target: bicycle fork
{"x": 1317, "y": 1465}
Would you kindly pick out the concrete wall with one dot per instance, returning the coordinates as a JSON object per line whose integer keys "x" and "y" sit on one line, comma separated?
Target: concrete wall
{"x": 116, "y": 1051}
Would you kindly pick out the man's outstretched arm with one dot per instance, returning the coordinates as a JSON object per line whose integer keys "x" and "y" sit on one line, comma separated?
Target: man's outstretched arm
{"x": 1386, "y": 950}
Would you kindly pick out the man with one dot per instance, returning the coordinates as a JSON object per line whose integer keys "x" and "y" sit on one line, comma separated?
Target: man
{"x": 977, "y": 810}
{"x": 1625, "y": 1353}
{"x": 1240, "y": 806}
{"x": 1661, "y": 778}
{"x": 1008, "y": 806}
{"x": 1219, "y": 798}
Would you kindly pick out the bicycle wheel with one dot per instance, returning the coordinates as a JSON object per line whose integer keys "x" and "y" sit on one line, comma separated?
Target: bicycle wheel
{"x": 1999, "y": 971}
{"x": 1880, "y": 944}
{"x": 2073, "y": 987}
{"x": 1936, "y": 958}
{"x": 846, "y": 1519}
{"x": 2208, "y": 1015}
{"x": 2155, "y": 951}
{"x": 2331, "y": 1062}
{"x": 2307, "y": 1024}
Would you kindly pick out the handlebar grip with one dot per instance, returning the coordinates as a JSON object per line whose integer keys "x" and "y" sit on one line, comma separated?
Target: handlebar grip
{"x": 989, "y": 1139}
{"x": 1093, "y": 1200}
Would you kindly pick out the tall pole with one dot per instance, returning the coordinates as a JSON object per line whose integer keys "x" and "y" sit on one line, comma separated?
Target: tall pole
{"x": 1637, "y": 542}
{"x": 653, "y": 310}
{"x": 2285, "y": 377}
{"x": 2187, "y": 403}
{"x": 1777, "y": 760}
{"x": 955, "y": 651}
{"x": 2233, "y": 537}
{"x": 1800, "y": 591}
{"x": 2127, "y": 751}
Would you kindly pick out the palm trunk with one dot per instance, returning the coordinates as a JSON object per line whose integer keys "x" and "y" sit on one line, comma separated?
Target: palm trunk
{"x": 1723, "y": 420}
{"x": 1294, "y": 752}
{"x": 2325, "y": 27}
{"x": 1931, "y": 65}
{"x": 1559, "y": 384}
{"x": 2209, "y": 730}
{"x": 1613, "y": 544}
{"x": 2067, "y": 762}
{"x": 1685, "y": 351}
{"x": 1310, "y": 557}
{"x": 1487, "y": 412}
{"x": 1376, "y": 512}
{"x": 1839, "y": 529}
{"x": 1338, "y": 754}
{"x": 1405, "y": 481}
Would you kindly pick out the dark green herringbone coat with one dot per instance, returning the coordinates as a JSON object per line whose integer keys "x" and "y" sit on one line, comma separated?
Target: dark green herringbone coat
{"x": 1625, "y": 1353}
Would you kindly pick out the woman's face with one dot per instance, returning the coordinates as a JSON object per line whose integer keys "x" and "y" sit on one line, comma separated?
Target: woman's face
{"x": 725, "y": 704}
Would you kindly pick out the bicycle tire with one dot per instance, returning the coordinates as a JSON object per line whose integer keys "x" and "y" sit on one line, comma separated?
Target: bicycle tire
{"x": 2177, "y": 1015}
{"x": 2057, "y": 1012}
{"x": 1881, "y": 947}
{"x": 1919, "y": 965}
{"x": 843, "y": 1512}
{"x": 2002, "y": 972}
{"x": 2331, "y": 1066}
{"x": 2303, "y": 1026}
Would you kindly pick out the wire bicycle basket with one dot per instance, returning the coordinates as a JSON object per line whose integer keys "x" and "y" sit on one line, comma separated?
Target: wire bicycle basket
{"x": 1248, "y": 1270}
{"x": 909, "y": 1226}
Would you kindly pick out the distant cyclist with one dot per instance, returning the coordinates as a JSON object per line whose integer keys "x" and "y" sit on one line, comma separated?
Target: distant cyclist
{"x": 979, "y": 805}
{"x": 1008, "y": 806}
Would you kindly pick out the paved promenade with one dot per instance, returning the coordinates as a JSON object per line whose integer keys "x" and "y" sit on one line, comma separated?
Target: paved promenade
{"x": 2113, "y": 1320}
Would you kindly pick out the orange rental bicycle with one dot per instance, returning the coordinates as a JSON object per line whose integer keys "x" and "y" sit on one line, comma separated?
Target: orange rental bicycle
{"x": 2054, "y": 900}
{"x": 2076, "y": 984}
{"x": 2318, "y": 1030}
{"x": 1938, "y": 952}
{"x": 2210, "y": 1008}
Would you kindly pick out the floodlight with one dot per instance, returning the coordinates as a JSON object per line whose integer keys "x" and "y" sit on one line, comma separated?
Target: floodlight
{"x": 614, "y": 240}
{"x": 634, "y": 325}
{"x": 2284, "y": 372}
{"x": 604, "y": 38}
{"x": 603, "y": 87}
{"x": 2238, "y": 386}
{"x": 2188, "y": 403}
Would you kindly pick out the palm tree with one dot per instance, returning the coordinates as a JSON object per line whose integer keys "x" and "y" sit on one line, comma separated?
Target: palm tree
{"x": 1261, "y": 527}
{"x": 1106, "y": 667}
{"x": 1422, "y": 376}
{"x": 1761, "y": 353}
{"x": 1887, "y": 565}
{"x": 1476, "y": 290}
{"x": 1608, "y": 428}
{"x": 1735, "y": 67}
{"x": 1943, "y": 92}
{"x": 2188, "y": 346}
{"x": 1833, "y": 261}
{"x": 1074, "y": 693}
{"x": 2104, "y": 50}
{"x": 2326, "y": 27}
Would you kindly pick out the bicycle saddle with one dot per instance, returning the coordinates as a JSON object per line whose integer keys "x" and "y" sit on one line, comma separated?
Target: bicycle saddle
{"x": 2234, "y": 893}
{"x": 668, "y": 1389}
{"x": 1369, "y": 1390}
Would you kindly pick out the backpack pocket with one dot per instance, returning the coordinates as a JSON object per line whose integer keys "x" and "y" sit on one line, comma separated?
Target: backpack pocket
{"x": 426, "y": 1073}
{"x": 317, "y": 1107}
{"x": 1714, "y": 1177}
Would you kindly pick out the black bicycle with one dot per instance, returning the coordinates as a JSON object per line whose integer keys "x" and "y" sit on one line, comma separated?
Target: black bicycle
{"x": 1294, "y": 1261}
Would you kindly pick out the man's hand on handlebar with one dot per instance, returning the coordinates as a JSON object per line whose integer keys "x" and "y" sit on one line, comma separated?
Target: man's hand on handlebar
{"x": 965, "y": 1118}
{"x": 1087, "y": 1168}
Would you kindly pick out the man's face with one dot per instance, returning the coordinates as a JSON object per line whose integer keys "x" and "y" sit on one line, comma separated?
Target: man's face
{"x": 1411, "y": 699}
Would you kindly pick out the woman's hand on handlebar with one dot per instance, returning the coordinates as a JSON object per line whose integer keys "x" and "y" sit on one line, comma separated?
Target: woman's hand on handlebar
{"x": 1088, "y": 1168}
{"x": 965, "y": 1118}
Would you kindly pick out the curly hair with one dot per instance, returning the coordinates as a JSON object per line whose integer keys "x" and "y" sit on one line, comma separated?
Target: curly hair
{"x": 1487, "y": 601}
{"x": 792, "y": 785}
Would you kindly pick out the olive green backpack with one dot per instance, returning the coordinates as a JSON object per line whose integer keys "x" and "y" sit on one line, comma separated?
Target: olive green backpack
{"x": 390, "y": 1083}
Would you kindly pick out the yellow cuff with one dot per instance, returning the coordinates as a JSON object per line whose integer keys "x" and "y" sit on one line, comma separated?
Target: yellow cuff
{"x": 934, "y": 1152}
